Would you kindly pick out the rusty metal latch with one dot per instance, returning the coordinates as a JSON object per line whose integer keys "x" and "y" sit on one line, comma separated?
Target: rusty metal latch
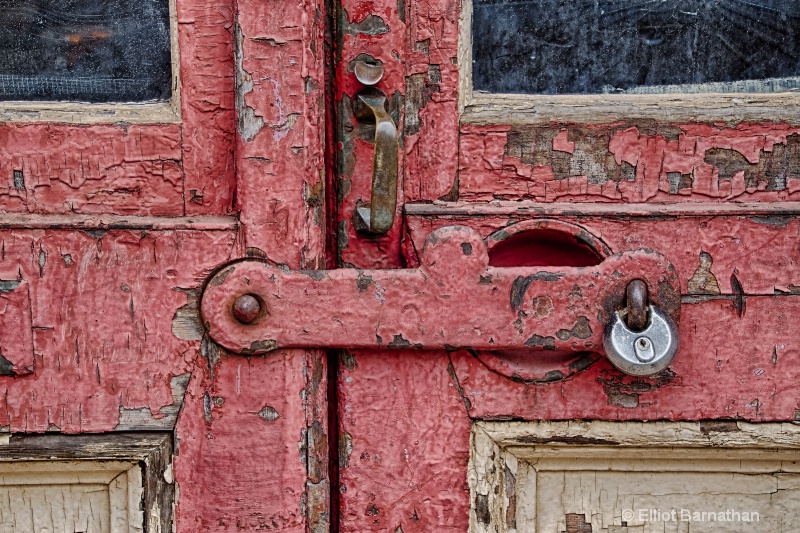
{"x": 453, "y": 300}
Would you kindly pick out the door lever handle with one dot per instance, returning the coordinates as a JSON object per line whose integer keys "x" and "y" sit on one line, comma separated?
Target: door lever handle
{"x": 377, "y": 216}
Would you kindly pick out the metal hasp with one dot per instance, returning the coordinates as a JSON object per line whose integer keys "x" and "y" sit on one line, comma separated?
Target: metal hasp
{"x": 453, "y": 300}
{"x": 377, "y": 216}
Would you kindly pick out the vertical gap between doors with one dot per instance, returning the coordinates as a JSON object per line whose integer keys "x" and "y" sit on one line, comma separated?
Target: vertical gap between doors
{"x": 332, "y": 10}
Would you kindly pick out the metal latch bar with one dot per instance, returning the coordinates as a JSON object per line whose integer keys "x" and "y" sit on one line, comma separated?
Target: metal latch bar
{"x": 453, "y": 300}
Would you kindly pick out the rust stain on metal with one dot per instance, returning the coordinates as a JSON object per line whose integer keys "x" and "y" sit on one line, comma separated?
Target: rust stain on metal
{"x": 522, "y": 283}
{"x": 538, "y": 341}
{"x": 542, "y": 306}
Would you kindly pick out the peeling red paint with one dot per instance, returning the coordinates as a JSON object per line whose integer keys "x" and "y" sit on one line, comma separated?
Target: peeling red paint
{"x": 562, "y": 143}
{"x": 115, "y": 340}
{"x": 98, "y": 306}
{"x": 102, "y": 169}
{"x": 16, "y": 342}
{"x": 725, "y": 364}
{"x": 662, "y": 169}
{"x": 757, "y": 249}
{"x": 152, "y": 169}
{"x": 431, "y": 306}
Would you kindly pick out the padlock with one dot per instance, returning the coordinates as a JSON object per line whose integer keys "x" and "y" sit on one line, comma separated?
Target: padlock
{"x": 645, "y": 352}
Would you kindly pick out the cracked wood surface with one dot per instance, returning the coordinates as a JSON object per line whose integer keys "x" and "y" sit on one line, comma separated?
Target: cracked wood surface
{"x": 99, "y": 304}
{"x": 759, "y": 249}
{"x": 634, "y": 183}
{"x": 607, "y": 477}
{"x": 163, "y": 169}
{"x": 114, "y": 227}
{"x": 62, "y": 497}
{"x": 630, "y": 163}
{"x": 252, "y": 433}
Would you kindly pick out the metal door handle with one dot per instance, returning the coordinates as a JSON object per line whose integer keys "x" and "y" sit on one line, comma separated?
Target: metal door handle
{"x": 377, "y": 216}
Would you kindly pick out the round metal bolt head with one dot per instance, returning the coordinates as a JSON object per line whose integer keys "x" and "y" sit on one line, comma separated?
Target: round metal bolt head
{"x": 246, "y": 308}
{"x": 368, "y": 74}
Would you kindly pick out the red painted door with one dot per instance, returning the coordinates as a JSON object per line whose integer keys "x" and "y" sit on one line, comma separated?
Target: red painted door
{"x": 111, "y": 218}
{"x": 518, "y": 223}
{"x": 709, "y": 182}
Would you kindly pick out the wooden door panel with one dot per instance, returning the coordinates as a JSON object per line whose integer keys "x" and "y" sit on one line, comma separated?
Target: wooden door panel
{"x": 403, "y": 444}
{"x": 114, "y": 222}
{"x": 102, "y": 305}
{"x": 168, "y": 164}
{"x": 727, "y": 368}
{"x": 759, "y": 249}
{"x": 709, "y": 181}
{"x": 630, "y": 162}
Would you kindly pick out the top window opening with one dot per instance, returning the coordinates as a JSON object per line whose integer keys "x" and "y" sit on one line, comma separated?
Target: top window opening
{"x": 97, "y": 51}
{"x": 553, "y": 47}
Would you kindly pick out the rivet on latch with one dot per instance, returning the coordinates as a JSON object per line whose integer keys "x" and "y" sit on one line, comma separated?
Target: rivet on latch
{"x": 246, "y": 308}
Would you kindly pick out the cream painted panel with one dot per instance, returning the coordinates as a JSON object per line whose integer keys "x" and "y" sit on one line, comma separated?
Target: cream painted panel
{"x": 70, "y": 497}
{"x": 657, "y": 477}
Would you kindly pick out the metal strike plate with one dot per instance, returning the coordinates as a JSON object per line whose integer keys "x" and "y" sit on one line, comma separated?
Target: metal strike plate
{"x": 453, "y": 300}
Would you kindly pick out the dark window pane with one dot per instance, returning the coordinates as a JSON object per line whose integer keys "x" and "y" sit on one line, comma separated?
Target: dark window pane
{"x": 636, "y": 46}
{"x": 85, "y": 50}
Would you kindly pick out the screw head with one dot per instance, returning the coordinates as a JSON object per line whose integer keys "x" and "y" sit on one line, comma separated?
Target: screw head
{"x": 246, "y": 308}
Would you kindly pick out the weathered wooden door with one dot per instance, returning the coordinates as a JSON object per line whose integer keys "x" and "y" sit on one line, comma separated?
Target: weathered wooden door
{"x": 112, "y": 215}
{"x": 566, "y": 133}
{"x": 469, "y": 389}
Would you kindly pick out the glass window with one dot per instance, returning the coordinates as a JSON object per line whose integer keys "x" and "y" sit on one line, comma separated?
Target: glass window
{"x": 635, "y": 46}
{"x": 85, "y": 50}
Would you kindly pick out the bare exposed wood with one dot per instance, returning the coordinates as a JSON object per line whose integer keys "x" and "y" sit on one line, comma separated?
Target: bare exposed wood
{"x": 598, "y": 109}
{"x": 63, "y": 496}
{"x": 152, "y": 450}
{"x": 63, "y": 112}
{"x": 118, "y": 446}
{"x": 118, "y": 222}
{"x": 525, "y": 208}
